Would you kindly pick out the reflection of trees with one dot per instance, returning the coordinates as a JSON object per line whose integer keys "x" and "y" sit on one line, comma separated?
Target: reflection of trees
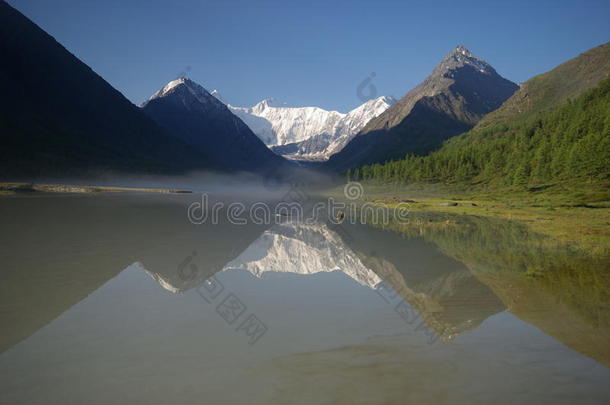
{"x": 560, "y": 289}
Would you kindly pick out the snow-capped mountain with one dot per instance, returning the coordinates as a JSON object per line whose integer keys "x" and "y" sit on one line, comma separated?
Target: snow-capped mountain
{"x": 306, "y": 133}
{"x": 189, "y": 112}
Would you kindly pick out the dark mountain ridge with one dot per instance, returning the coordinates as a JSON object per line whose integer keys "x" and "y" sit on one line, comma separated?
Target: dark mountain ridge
{"x": 191, "y": 113}
{"x": 59, "y": 118}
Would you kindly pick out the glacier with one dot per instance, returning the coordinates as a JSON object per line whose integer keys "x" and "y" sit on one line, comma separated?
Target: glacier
{"x": 306, "y": 133}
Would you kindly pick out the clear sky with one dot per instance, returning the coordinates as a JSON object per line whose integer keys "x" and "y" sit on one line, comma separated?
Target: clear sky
{"x": 310, "y": 52}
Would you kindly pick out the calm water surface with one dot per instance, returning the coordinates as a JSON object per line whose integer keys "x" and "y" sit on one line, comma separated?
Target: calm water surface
{"x": 120, "y": 299}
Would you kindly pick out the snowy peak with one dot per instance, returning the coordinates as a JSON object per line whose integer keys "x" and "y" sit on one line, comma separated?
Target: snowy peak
{"x": 373, "y": 106}
{"x": 187, "y": 90}
{"x": 306, "y": 133}
{"x": 269, "y": 102}
{"x": 462, "y": 50}
{"x": 460, "y": 57}
{"x": 260, "y": 107}
{"x": 191, "y": 113}
{"x": 389, "y": 100}
{"x": 168, "y": 87}
{"x": 219, "y": 96}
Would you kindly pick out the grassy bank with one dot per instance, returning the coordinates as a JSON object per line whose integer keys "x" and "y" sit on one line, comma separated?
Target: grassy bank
{"x": 574, "y": 213}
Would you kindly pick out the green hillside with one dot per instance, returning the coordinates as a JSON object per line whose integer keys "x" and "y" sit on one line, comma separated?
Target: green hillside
{"x": 553, "y": 88}
{"x": 554, "y": 129}
{"x": 572, "y": 141}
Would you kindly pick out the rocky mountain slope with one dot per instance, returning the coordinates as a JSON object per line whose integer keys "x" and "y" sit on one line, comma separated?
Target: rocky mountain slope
{"x": 553, "y": 132}
{"x": 452, "y": 99}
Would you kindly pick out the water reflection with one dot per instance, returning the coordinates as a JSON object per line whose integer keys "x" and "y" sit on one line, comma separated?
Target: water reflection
{"x": 117, "y": 281}
{"x": 299, "y": 248}
{"x": 56, "y": 250}
{"x": 443, "y": 292}
{"x": 558, "y": 288}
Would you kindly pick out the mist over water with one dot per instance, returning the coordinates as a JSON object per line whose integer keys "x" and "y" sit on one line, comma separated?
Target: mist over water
{"x": 269, "y": 184}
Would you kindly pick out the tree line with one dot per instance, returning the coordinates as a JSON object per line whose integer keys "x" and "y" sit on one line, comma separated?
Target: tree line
{"x": 571, "y": 141}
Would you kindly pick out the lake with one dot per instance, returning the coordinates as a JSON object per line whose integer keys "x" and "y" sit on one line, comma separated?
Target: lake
{"x": 121, "y": 298}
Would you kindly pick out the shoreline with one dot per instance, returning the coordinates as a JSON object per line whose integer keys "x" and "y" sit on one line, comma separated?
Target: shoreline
{"x": 585, "y": 226}
{"x": 12, "y": 188}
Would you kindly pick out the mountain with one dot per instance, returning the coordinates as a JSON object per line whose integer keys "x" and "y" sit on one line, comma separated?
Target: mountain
{"x": 59, "y": 118}
{"x": 190, "y": 113}
{"x": 306, "y": 133}
{"x": 554, "y": 88}
{"x": 322, "y": 146}
{"x": 451, "y": 100}
{"x": 554, "y": 131}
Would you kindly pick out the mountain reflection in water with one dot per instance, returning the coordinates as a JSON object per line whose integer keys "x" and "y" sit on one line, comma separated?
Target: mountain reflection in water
{"x": 109, "y": 284}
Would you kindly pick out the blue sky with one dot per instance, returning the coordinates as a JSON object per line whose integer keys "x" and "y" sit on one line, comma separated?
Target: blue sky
{"x": 310, "y": 52}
